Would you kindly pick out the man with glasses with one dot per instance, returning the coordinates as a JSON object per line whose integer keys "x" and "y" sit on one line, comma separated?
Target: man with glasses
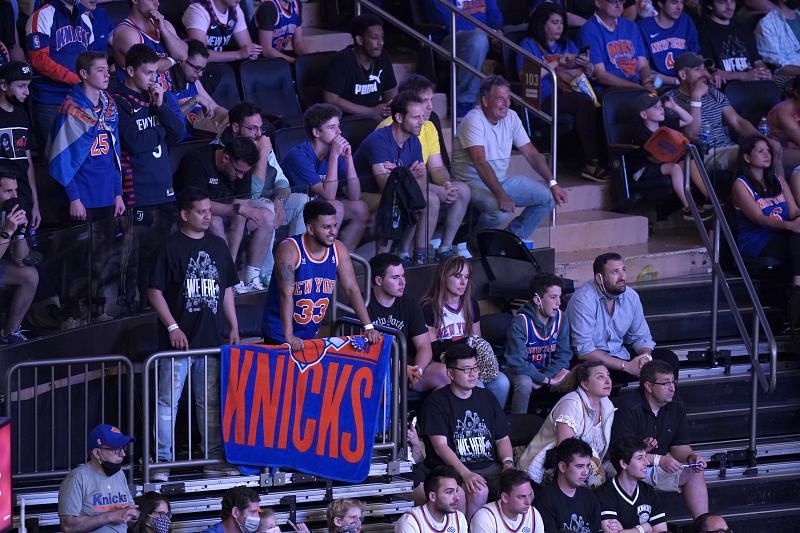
{"x": 616, "y": 48}
{"x": 269, "y": 185}
{"x": 710, "y": 523}
{"x": 651, "y": 414}
{"x": 465, "y": 428}
{"x": 95, "y": 496}
{"x": 225, "y": 173}
{"x": 197, "y": 106}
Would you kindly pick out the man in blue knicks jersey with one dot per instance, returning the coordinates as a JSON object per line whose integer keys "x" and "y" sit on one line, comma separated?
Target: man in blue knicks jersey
{"x": 301, "y": 289}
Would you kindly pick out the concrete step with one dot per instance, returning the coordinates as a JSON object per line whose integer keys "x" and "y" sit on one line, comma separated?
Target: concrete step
{"x": 319, "y": 40}
{"x": 403, "y": 67}
{"x": 581, "y": 230}
{"x": 662, "y": 256}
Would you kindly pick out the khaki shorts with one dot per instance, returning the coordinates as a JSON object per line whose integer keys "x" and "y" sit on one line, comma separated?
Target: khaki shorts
{"x": 722, "y": 158}
{"x": 660, "y": 479}
{"x": 372, "y": 199}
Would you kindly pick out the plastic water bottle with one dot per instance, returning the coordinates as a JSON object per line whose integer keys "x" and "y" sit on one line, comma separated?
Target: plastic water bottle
{"x": 763, "y": 127}
{"x": 704, "y": 138}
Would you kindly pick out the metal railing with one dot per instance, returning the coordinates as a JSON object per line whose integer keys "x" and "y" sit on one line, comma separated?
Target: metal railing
{"x": 366, "y": 293}
{"x": 151, "y": 385}
{"x": 60, "y": 398}
{"x": 719, "y": 281}
{"x": 456, "y": 62}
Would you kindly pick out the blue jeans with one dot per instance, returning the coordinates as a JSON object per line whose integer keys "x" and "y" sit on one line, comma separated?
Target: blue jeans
{"x": 499, "y": 386}
{"x": 294, "y": 220}
{"x": 204, "y": 402}
{"x": 471, "y": 46}
{"x": 526, "y": 191}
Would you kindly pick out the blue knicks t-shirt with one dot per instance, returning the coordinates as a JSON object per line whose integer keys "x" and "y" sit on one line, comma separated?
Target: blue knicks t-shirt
{"x": 379, "y": 147}
{"x": 618, "y": 51}
{"x": 314, "y": 281}
{"x": 303, "y": 168}
{"x": 665, "y": 45}
{"x": 552, "y": 53}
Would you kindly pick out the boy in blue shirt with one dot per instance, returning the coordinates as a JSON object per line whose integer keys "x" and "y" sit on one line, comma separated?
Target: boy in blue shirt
{"x": 324, "y": 164}
{"x": 666, "y": 36}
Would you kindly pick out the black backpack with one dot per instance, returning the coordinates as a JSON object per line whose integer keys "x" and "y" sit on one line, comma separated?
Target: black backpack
{"x": 401, "y": 203}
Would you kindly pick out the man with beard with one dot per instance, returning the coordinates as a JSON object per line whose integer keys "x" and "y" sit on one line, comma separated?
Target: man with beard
{"x": 393, "y": 146}
{"x": 95, "y": 495}
{"x": 440, "y": 510}
{"x": 306, "y": 270}
{"x": 605, "y": 315}
{"x": 191, "y": 291}
{"x": 512, "y": 511}
{"x": 652, "y": 414}
{"x": 568, "y": 504}
{"x": 465, "y": 428}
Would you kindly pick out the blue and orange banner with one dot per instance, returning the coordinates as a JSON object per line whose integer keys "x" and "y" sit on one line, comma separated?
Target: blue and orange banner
{"x": 315, "y": 411}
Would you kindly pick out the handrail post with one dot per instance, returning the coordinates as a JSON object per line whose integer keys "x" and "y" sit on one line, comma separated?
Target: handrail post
{"x": 752, "y": 450}
{"x": 715, "y": 291}
{"x": 453, "y": 80}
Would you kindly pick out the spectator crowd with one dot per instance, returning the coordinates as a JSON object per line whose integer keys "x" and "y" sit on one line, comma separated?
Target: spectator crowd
{"x": 100, "y": 111}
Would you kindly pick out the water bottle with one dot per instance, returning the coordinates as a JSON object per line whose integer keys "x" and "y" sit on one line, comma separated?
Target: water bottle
{"x": 763, "y": 127}
{"x": 704, "y": 138}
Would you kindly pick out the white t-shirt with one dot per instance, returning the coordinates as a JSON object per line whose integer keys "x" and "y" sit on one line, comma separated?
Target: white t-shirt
{"x": 419, "y": 520}
{"x": 197, "y": 18}
{"x": 496, "y": 139}
{"x": 490, "y": 519}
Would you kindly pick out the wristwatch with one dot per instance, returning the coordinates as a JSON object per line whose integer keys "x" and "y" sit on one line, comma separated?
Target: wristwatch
{"x": 4, "y": 235}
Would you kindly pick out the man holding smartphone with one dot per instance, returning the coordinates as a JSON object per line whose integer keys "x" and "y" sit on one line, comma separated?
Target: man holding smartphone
{"x": 651, "y": 414}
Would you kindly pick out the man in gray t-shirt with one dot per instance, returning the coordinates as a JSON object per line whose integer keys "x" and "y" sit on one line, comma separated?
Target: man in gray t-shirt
{"x": 481, "y": 155}
{"x": 95, "y": 496}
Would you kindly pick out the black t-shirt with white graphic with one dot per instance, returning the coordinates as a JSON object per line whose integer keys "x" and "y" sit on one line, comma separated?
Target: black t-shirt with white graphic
{"x": 405, "y": 314}
{"x": 471, "y": 425}
{"x": 578, "y": 514}
{"x": 350, "y": 81}
{"x": 630, "y": 509}
{"x": 732, "y": 47}
{"x": 197, "y": 169}
{"x": 15, "y": 141}
{"x": 193, "y": 275}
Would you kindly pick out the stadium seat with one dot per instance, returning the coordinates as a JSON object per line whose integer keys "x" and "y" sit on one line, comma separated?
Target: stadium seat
{"x": 219, "y": 81}
{"x": 310, "y": 72}
{"x": 619, "y": 121}
{"x": 117, "y": 10}
{"x": 269, "y": 84}
{"x": 497, "y": 243}
{"x": 753, "y": 99}
{"x": 355, "y": 129}
{"x": 287, "y": 138}
{"x": 177, "y": 151}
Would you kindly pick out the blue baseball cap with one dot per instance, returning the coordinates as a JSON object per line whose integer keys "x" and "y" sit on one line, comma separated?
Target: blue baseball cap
{"x": 108, "y": 435}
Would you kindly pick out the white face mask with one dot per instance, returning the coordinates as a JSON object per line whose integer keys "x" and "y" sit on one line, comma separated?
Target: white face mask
{"x": 250, "y": 524}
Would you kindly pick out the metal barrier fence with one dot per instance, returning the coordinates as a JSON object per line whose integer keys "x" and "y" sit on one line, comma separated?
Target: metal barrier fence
{"x": 59, "y": 396}
{"x": 153, "y": 381}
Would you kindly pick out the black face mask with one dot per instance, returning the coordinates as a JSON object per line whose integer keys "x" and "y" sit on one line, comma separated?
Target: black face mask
{"x": 110, "y": 468}
{"x": 13, "y": 100}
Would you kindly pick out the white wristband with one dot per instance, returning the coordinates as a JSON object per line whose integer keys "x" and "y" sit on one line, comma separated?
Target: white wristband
{"x": 172, "y": 61}
{"x": 172, "y": 327}
{"x": 639, "y": 528}
{"x": 552, "y": 183}
{"x": 368, "y": 327}
{"x": 696, "y": 104}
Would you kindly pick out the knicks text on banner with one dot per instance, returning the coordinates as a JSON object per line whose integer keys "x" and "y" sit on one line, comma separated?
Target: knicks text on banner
{"x": 315, "y": 411}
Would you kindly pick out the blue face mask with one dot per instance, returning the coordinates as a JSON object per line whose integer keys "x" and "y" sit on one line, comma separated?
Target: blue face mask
{"x": 161, "y": 524}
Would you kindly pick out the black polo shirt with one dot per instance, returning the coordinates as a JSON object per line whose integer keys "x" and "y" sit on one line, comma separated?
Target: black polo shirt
{"x": 635, "y": 418}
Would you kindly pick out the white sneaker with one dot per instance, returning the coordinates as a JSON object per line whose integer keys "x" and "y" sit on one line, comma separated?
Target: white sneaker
{"x": 253, "y": 285}
{"x": 160, "y": 476}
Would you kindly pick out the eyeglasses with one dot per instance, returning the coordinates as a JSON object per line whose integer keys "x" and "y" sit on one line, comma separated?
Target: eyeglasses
{"x": 252, "y": 129}
{"x": 466, "y": 370}
{"x": 115, "y": 451}
{"x": 161, "y": 515}
{"x": 238, "y": 171}
{"x": 671, "y": 383}
{"x": 197, "y": 69}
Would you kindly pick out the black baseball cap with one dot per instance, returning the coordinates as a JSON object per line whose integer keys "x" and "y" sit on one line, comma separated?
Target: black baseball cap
{"x": 16, "y": 71}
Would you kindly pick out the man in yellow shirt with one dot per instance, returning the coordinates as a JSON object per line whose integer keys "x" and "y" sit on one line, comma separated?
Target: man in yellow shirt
{"x": 453, "y": 195}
